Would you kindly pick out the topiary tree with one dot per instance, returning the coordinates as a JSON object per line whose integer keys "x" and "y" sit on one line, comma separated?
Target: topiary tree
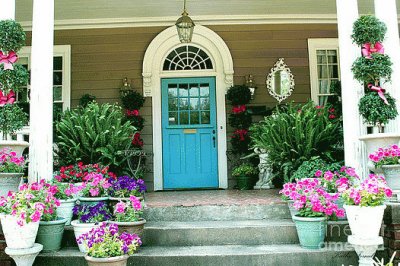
{"x": 12, "y": 119}
{"x": 368, "y": 29}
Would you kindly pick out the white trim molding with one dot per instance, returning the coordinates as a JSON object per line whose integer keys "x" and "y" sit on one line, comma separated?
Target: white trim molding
{"x": 218, "y": 51}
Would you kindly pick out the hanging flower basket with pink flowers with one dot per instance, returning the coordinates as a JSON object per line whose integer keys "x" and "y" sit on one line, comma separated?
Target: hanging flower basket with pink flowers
{"x": 389, "y": 160}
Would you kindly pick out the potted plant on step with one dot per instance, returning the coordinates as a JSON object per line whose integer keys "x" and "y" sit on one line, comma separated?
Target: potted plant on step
{"x": 364, "y": 205}
{"x": 389, "y": 160}
{"x": 314, "y": 206}
{"x": 107, "y": 247}
{"x": 11, "y": 170}
{"x": 20, "y": 214}
{"x": 246, "y": 175}
{"x": 67, "y": 195}
{"x": 125, "y": 186}
{"x": 94, "y": 189}
{"x": 128, "y": 216}
{"x": 51, "y": 226}
{"x": 89, "y": 217}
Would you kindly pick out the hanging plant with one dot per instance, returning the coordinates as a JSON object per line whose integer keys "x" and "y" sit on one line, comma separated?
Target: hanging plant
{"x": 86, "y": 99}
{"x": 13, "y": 79}
{"x": 368, "y": 29}
{"x": 240, "y": 141}
{"x": 240, "y": 120}
{"x": 239, "y": 95}
{"x": 12, "y": 36}
{"x": 370, "y": 70}
{"x": 136, "y": 120}
{"x": 132, "y": 100}
{"x": 375, "y": 111}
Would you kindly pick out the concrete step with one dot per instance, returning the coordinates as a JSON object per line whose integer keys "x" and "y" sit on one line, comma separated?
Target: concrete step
{"x": 204, "y": 233}
{"x": 217, "y": 212}
{"x": 229, "y": 255}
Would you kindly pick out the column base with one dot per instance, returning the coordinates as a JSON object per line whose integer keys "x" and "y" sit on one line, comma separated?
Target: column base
{"x": 365, "y": 249}
{"x": 25, "y": 256}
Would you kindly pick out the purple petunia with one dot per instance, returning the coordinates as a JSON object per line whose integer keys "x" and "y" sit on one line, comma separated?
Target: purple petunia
{"x": 125, "y": 186}
{"x": 92, "y": 214}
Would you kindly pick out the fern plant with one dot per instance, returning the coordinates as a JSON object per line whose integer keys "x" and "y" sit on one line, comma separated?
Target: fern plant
{"x": 95, "y": 134}
{"x": 294, "y": 134}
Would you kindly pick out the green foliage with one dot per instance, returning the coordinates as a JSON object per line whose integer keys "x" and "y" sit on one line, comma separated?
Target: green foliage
{"x": 12, "y": 36}
{"x": 245, "y": 169}
{"x": 370, "y": 70}
{"x": 86, "y": 99}
{"x": 375, "y": 111}
{"x": 136, "y": 121}
{"x": 240, "y": 120}
{"x": 132, "y": 100}
{"x": 295, "y": 134}
{"x": 308, "y": 168}
{"x": 239, "y": 95}
{"x": 95, "y": 134}
{"x": 12, "y": 118}
{"x": 368, "y": 29}
{"x": 13, "y": 79}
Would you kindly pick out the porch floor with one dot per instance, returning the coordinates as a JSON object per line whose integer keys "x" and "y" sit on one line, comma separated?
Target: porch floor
{"x": 212, "y": 197}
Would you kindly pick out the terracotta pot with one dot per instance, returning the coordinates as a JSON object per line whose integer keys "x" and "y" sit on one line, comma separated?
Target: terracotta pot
{"x": 131, "y": 227}
{"x": 113, "y": 261}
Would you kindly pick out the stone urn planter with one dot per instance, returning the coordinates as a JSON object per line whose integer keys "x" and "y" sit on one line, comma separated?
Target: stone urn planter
{"x": 392, "y": 175}
{"x": 65, "y": 210}
{"x": 15, "y": 145}
{"x": 365, "y": 222}
{"x": 132, "y": 227}
{"x": 18, "y": 237}
{"x": 311, "y": 231}
{"x": 91, "y": 200}
{"x": 375, "y": 141}
{"x": 80, "y": 229}
{"x": 50, "y": 234}
{"x": 113, "y": 261}
{"x": 9, "y": 182}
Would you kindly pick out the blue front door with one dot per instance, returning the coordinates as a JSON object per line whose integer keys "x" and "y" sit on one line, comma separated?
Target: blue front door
{"x": 189, "y": 133}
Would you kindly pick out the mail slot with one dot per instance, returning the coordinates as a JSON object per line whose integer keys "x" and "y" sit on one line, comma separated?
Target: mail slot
{"x": 190, "y": 131}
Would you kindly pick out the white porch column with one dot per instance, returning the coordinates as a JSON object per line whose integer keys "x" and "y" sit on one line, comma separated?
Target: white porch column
{"x": 386, "y": 11}
{"x": 41, "y": 100}
{"x": 7, "y": 10}
{"x": 347, "y": 14}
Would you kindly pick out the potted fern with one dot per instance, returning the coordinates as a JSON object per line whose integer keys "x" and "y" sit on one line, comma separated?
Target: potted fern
{"x": 246, "y": 175}
{"x": 373, "y": 69}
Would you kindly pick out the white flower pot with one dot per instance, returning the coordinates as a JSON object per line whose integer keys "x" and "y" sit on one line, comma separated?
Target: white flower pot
{"x": 15, "y": 145}
{"x": 65, "y": 210}
{"x": 392, "y": 175}
{"x": 18, "y": 237}
{"x": 80, "y": 229}
{"x": 9, "y": 182}
{"x": 365, "y": 222}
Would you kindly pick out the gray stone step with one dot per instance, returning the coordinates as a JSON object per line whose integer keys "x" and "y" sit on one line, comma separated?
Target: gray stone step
{"x": 204, "y": 233}
{"x": 217, "y": 212}
{"x": 229, "y": 255}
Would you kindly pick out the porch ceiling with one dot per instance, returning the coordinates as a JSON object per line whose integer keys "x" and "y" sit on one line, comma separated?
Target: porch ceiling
{"x": 163, "y": 12}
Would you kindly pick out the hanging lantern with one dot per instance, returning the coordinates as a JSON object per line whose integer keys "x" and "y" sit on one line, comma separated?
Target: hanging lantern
{"x": 185, "y": 26}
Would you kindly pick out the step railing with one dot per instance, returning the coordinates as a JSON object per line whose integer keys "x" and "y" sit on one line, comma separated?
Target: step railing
{"x": 20, "y": 135}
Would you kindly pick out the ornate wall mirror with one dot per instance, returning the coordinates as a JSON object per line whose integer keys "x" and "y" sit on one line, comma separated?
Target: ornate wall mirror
{"x": 280, "y": 81}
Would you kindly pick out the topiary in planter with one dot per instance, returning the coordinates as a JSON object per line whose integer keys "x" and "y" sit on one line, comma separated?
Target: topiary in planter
{"x": 12, "y": 119}
{"x": 372, "y": 70}
{"x": 13, "y": 79}
{"x": 12, "y": 36}
{"x": 374, "y": 110}
{"x": 368, "y": 29}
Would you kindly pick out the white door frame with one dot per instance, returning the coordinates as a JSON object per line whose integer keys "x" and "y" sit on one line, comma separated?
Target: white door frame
{"x": 221, "y": 57}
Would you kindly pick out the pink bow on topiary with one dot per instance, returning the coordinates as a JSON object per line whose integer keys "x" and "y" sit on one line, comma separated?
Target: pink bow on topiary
{"x": 8, "y": 59}
{"x": 368, "y": 49}
{"x": 7, "y": 99}
{"x": 380, "y": 91}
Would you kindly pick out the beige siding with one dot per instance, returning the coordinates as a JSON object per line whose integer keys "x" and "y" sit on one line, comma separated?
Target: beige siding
{"x": 101, "y": 58}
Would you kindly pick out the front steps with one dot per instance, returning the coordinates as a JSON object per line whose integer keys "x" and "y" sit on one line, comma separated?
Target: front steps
{"x": 226, "y": 234}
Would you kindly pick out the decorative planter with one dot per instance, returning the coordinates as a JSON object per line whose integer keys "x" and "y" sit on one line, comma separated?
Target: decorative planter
{"x": 18, "y": 237}
{"x": 365, "y": 222}
{"x": 50, "y": 234}
{"x": 91, "y": 200}
{"x": 113, "y": 261}
{"x": 375, "y": 141}
{"x": 292, "y": 209}
{"x": 65, "y": 210}
{"x": 15, "y": 145}
{"x": 311, "y": 231}
{"x": 131, "y": 227}
{"x": 392, "y": 175}
{"x": 9, "y": 181}
{"x": 245, "y": 182}
{"x": 80, "y": 229}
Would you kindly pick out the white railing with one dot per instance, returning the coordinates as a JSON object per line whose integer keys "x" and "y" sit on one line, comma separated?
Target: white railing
{"x": 19, "y": 135}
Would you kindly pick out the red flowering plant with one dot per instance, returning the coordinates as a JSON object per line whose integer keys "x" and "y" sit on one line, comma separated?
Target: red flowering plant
{"x": 338, "y": 181}
{"x": 240, "y": 140}
{"x": 32, "y": 203}
{"x": 137, "y": 141}
{"x": 386, "y": 156}
{"x": 96, "y": 185}
{"x": 79, "y": 172}
{"x": 311, "y": 199}
{"x": 130, "y": 211}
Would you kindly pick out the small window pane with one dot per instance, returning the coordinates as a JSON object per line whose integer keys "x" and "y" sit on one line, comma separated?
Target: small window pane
{"x": 194, "y": 90}
{"x": 183, "y": 104}
{"x": 57, "y": 93}
{"x": 205, "y": 117}
{"x": 322, "y": 100}
{"x": 173, "y": 104}
{"x": 57, "y": 63}
{"x": 323, "y": 72}
{"x": 323, "y": 86}
{"x": 172, "y": 90}
{"x": 321, "y": 57}
{"x": 204, "y": 90}
{"x": 205, "y": 104}
{"x": 194, "y": 118}
{"x": 57, "y": 78}
{"x": 332, "y": 57}
{"x": 333, "y": 71}
{"x": 57, "y": 111}
{"x": 172, "y": 118}
{"x": 194, "y": 104}
{"x": 183, "y": 90}
{"x": 184, "y": 118}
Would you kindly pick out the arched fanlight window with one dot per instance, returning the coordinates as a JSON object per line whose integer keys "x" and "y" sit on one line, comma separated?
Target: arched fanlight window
{"x": 187, "y": 57}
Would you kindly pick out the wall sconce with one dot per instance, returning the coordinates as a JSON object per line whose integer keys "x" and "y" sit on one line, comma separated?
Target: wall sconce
{"x": 126, "y": 87}
{"x": 250, "y": 84}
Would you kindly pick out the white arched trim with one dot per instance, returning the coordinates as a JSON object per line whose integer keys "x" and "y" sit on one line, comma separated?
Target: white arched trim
{"x": 158, "y": 49}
